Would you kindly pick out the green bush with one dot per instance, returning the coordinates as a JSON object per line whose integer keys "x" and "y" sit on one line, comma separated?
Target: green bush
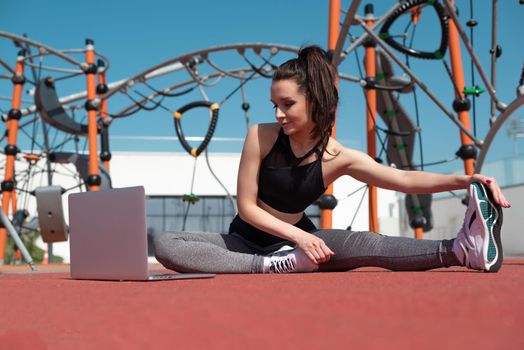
{"x": 29, "y": 239}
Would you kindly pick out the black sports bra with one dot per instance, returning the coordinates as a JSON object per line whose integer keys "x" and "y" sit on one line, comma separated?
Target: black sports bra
{"x": 285, "y": 185}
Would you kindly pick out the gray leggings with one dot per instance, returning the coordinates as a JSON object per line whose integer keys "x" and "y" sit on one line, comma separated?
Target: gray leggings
{"x": 230, "y": 253}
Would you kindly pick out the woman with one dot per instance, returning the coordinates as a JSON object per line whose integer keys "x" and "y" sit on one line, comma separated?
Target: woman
{"x": 286, "y": 166}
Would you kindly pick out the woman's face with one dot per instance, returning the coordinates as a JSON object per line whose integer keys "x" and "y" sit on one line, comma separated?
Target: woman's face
{"x": 291, "y": 107}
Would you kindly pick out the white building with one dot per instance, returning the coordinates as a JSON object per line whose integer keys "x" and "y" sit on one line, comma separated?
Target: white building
{"x": 168, "y": 176}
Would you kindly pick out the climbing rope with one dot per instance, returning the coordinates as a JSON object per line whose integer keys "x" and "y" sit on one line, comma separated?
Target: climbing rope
{"x": 190, "y": 198}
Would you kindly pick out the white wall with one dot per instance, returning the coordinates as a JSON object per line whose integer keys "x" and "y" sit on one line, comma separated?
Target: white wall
{"x": 171, "y": 173}
{"x": 348, "y": 207}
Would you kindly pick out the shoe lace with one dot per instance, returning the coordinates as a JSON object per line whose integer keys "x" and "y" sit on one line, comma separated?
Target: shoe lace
{"x": 282, "y": 264}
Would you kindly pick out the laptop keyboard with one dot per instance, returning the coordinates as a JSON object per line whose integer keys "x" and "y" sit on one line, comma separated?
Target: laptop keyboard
{"x": 163, "y": 276}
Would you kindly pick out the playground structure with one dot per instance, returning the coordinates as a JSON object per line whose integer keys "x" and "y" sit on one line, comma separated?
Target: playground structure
{"x": 195, "y": 76}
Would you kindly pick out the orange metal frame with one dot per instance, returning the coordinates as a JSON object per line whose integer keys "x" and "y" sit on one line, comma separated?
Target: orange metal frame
{"x": 419, "y": 233}
{"x": 371, "y": 113}
{"x": 9, "y": 196}
{"x": 92, "y": 127}
{"x": 326, "y": 215}
{"x": 103, "y": 105}
{"x": 458, "y": 77}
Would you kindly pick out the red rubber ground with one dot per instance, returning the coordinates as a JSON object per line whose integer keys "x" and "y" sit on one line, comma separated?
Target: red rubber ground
{"x": 363, "y": 309}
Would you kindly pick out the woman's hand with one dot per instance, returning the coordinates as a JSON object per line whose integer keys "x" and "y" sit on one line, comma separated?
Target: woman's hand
{"x": 492, "y": 184}
{"x": 315, "y": 248}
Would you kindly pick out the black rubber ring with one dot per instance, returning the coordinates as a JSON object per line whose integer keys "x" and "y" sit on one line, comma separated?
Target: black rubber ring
{"x": 210, "y": 131}
{"x": 444, "y": 36}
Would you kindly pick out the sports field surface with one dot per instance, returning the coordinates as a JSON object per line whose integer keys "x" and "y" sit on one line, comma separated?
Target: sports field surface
{"x": 368, "y": 308}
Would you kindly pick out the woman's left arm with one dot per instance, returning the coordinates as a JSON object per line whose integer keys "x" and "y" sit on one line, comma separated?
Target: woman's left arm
{"x": 363, "y": 168}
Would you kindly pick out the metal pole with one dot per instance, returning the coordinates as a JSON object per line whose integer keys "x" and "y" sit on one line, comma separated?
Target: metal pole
{"x": 493, "y": 51}
{"x": 12, "y": 231}
{"x": 458, "y": 78}
{"x": 326, "y": 215}
{"x": 8, "y": 184}
{"x": 93, "y": 180}
{"x": 371, "y": 115}
{"x": 342, "y": 33}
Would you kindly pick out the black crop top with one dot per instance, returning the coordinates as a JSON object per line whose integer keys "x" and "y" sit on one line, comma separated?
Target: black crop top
{"x": 286, "y": 186}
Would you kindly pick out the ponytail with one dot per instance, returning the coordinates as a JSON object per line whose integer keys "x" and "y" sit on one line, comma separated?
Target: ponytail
{"x": 315, "y": 76}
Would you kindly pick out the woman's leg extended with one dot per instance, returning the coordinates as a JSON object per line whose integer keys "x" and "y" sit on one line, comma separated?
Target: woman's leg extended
{"x": 206, "y": 252}
{"x": 359, "y": 249}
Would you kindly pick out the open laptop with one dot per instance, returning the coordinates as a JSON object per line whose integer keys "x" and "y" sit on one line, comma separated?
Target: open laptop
{"x": 107, "y": 231}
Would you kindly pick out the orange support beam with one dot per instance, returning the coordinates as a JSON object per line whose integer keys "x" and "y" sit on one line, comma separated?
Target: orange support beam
{"x": 334, "y": 23}
{"x": 371, "y": 113}
{"x": 94, "y": 179}
{"x": 8, "y": 184}
{"x": 326, "y": 215}
{"x": 102, "y": 83}
{"x": 419, "y": 233}
{"x": 458, "y": 78}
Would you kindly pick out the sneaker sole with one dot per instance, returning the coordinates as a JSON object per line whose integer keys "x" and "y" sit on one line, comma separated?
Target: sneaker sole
{"x": 491, "y": 214}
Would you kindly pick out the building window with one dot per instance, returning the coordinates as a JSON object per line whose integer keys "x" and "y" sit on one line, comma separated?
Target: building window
{"x": 209, "y": 214}
{"x": 166, "y": 213}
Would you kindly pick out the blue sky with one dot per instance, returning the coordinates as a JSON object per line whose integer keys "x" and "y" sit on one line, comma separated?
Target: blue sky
{"x": 136, "y": 35}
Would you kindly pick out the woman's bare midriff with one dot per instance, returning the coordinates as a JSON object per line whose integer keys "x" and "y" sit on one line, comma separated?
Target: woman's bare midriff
{"x": 289, "y": 218}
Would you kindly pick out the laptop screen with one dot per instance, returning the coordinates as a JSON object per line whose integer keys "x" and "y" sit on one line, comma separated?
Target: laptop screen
{"x": 108, "y": 234}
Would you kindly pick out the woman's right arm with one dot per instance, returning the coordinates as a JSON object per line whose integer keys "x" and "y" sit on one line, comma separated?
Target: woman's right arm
{"x": 247, "y": 192}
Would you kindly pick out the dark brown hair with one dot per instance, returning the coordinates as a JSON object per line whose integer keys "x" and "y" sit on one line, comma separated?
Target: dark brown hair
{"x": 315, "y": 76}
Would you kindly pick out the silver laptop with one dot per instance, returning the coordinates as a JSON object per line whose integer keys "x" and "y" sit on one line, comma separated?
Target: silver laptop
{"x": 107, "y": 231}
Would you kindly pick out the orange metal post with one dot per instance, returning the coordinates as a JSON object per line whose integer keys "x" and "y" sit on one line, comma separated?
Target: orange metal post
{"x": 326, "y": 215}
{"x": 92, "y": 127}
{"x": 8, "y": 184}
{"x": 371, "y": 112}
{"x": 103, "y": 106}
{"x": 458, "y": 77}
{"x": 334, "y": 23}
{"x": 419, "y": 233}
{"x": 14, "y": 206}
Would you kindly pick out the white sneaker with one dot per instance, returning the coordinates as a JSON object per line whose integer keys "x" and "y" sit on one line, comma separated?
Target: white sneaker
{"x": 288, "y": 260}
{"x": 478, "y": 244}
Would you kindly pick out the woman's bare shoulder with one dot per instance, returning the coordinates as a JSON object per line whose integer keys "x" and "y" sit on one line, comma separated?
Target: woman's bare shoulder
{"x": 340, "y": 155}
{"x": 333, "y": 149}
{"x": 265, "y": 135}
{"x": 267, "y": 129}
